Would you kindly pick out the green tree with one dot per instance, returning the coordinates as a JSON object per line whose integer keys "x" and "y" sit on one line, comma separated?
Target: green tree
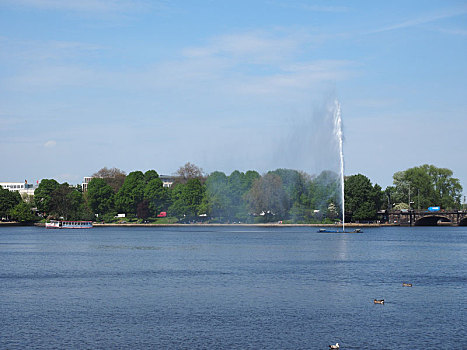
{"x": 217, "y": 197}
{"x": 43, "y": 195}
{"x": 362, "y": 199}
{"x": 324, "y": 190}
{"x": 8, "y": 200}
{"x": 425, "y": 186}
{"x": 131, "y": 193}
{"x": 156, "y": 195}
{"x": 100, "y": 196}
{"x": 268, "y": 198}
{"x": 23, "y": 213}
{"x": 66, "y": 202}
{"x": 187, "y": 200}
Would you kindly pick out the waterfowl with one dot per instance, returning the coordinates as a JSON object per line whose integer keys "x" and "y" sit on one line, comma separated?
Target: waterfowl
{"x": 334, "y": 346}
{"x": 406, "y": 284}
{"x": 381, "y": 301}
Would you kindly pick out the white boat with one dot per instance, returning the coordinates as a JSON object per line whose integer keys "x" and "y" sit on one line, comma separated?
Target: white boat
{"x": 68, "y": 224}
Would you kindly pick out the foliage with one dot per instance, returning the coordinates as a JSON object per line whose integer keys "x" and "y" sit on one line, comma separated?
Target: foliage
{"x": 156, "y": 195}
{"x": 100, "y": 196}
{"x": 43, "y": 195}
{"x": 113, "y": 177}
{"x": 186, "y": 199}
{"x": 8, "y": 200}
{"x": 426, "y": 186}
{"x": 268, "y": 198}
{"x": 23, "y": 213}
{"x": 131, "y": 193}
{"x": 282, "y": 194}
{"x": 362, "y": 199}
{"x": 66, "y": 202}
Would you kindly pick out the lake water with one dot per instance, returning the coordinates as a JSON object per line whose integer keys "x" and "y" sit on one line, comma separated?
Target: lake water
{"x": 232, "y": 288}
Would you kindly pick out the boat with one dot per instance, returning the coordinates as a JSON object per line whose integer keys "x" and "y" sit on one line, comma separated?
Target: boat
{"x": 357, "y": 230}
{"x": 68, "y": 224}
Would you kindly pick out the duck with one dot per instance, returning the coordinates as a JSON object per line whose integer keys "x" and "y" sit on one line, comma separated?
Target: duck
{"x": 406, "y": 284}
{"x": 334, "y": 346}
{"x": 381, "y": 301}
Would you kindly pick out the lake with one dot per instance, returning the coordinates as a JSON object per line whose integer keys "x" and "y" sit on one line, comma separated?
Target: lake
{"x": 232, "y": 288}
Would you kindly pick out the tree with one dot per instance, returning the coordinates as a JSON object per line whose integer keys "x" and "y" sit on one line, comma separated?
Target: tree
{"x": 8, "y": 200}
{"x": 268, "y": 198}
{"x": 217, "y": 199}
{"x": 66, "y": 202}
{"x": 156, "y": 195}
{"x": 323, "y": 190}
{"x": 427, "y": 185}
{"x": 189, "y": 171}
{"x": 100, "y": 196}
{"x": 362, "y": 199}
{"x": 187, "y": 200}
{"x": 43, "y": 195}
{"x": 113, "y": 177}
{"x": 23, "y": 213}
{"x": 131, "y": 193}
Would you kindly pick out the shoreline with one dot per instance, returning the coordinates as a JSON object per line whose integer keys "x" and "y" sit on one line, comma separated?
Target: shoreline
{"x": 353, "y": 225}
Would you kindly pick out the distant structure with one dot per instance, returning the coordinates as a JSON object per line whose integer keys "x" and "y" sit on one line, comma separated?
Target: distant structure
{"x": 21, "y": 187}
{"x": 167, "y": 181}
{"x": 86, "y": 180}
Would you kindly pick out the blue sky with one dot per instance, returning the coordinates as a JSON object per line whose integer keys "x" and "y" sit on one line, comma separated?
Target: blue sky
{"x": 230, "y": 85}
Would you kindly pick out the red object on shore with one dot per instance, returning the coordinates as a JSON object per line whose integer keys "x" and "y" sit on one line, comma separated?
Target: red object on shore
{"x": 162, "y": 214}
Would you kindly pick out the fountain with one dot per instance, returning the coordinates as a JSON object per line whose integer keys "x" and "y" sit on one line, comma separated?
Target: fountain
{"x": 339, "y": 135}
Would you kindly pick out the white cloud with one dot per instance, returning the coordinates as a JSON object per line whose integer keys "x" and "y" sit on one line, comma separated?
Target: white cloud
{"x": 50, "y": 144}
{"x": 427, "y": 18}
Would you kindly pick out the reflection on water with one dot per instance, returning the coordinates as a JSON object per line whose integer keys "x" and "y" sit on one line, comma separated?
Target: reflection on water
{"x": 225, "y": 288}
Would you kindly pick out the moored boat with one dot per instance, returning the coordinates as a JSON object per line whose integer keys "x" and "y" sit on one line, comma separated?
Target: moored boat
{"x": 68, "y": 224}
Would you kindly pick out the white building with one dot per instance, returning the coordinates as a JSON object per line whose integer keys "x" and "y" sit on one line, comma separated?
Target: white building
{"x": 21, "y": 187}
{"x": 167, "y": 180}
{"x": 86, "y": 180}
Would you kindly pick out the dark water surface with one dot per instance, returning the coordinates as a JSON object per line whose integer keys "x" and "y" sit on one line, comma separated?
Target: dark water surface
{"x": 232, "y": 288}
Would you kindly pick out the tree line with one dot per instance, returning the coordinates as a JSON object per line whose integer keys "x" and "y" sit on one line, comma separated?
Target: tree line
{"x": 242, "y": 197}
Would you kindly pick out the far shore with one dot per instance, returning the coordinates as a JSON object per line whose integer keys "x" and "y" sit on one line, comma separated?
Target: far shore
{"x": 230, "y": 225}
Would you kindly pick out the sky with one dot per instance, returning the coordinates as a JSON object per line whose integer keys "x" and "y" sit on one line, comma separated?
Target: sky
{"x": 231, "y": 85}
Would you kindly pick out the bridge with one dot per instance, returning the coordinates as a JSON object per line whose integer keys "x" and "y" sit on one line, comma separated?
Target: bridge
{"x": 428, "y": 218}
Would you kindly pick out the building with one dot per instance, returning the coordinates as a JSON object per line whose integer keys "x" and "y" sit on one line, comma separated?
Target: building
{"x": 86, "y": 180}
{"x": 167, "y": 180}
{"x": 21, "y": 187}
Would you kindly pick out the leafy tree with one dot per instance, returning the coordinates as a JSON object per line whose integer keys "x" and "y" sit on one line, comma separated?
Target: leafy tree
{"x": 324, "y": 190}
{"x": 217, "y": 197}
{"x": 23, "y": 213}
{"x": 100, "y": 196}
{"x": 156, "y": 195}
{"x": 113, "y": 177}
{"x": 43, "y": 195}
{"x": 427, "y": 185}
{"x": 362, "y": 199}
{"x": 150, "y": 175}
{"x": 131, "y": 193}
{"x": 268, "y": 198}
{"x": 187, "y": 199}
{"x": 8, "y": 200}
{"x": 66, "y": 202}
